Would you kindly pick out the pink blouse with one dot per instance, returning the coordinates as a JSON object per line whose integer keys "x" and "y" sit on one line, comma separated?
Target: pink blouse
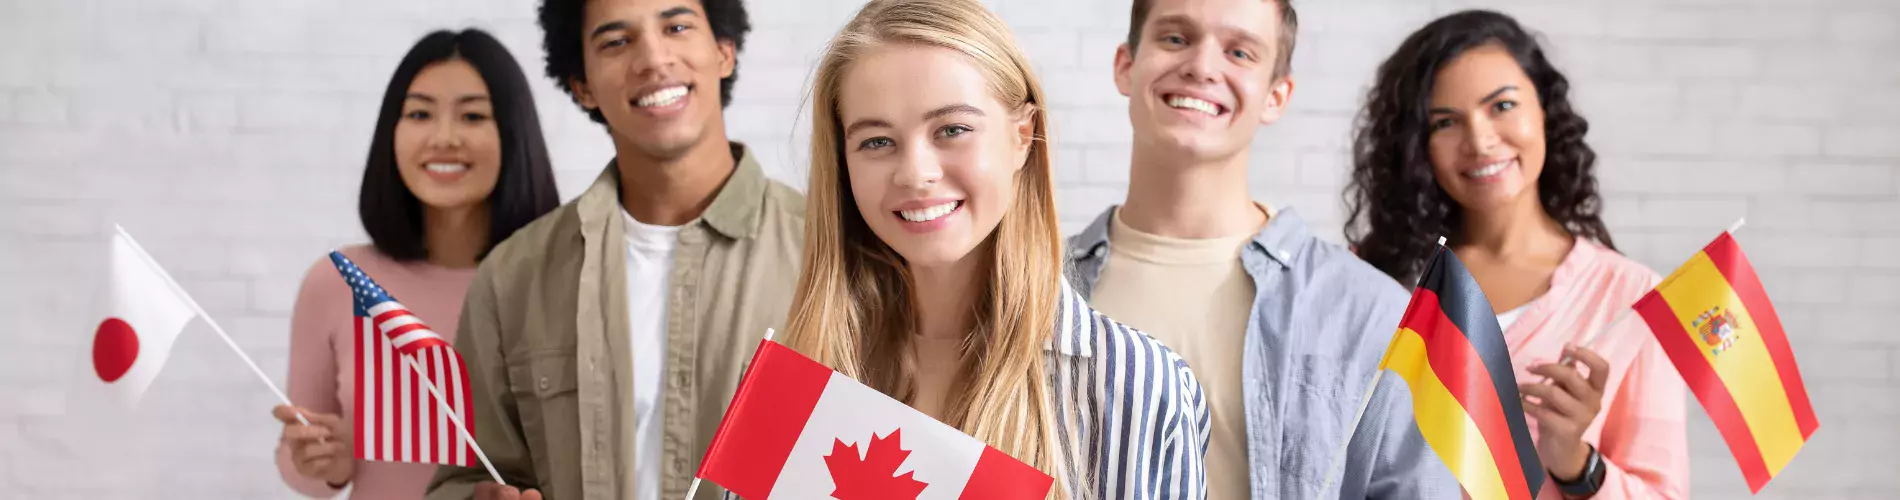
{"x": 322, "y": 357}
{"x": 1641, "y": 431}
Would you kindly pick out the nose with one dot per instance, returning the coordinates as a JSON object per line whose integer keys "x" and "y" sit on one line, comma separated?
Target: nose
{"x": 1203, "y": 63}
{"x": 652, "y": 54}
{"x": 920, "y": 168}
{"x": 445, "y": 135}
{"x": 1481, "y": 136}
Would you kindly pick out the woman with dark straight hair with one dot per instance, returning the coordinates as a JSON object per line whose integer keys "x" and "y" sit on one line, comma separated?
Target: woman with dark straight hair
{"x": 456, "y": 165}
{"x": 1469, "y": 133}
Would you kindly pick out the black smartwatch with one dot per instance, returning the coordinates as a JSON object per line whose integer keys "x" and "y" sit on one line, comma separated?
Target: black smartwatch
{"x": 1587, "y": 484}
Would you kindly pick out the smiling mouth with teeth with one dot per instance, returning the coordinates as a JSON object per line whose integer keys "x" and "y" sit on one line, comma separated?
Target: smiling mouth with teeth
{"x": 1190, "y": 103}
{"x": 931, "y": 213}
{"x": 1490, "y": 170}
{"x": 663, "y": 97}
{"x": 446, "y": 168}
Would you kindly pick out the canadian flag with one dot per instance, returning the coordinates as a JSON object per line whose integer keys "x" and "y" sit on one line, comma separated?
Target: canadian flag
{"x": 146, "y": 313}
{"x": 797, "y": 429}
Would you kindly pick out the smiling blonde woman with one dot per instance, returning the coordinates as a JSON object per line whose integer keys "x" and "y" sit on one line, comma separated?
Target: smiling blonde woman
{"x": 933, "y": 261}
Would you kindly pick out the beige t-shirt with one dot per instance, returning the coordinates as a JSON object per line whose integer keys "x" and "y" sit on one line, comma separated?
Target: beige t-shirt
{"x": 1193, "y": 296}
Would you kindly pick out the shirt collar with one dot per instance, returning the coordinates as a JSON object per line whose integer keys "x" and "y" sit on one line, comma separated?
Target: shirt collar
{"x": 1075, "y": 325}
{"x": 1281, "y": 241}
{"x": 734, "y": 212}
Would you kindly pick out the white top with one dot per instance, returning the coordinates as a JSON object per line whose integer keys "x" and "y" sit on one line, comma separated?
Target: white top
{"x": 649, "y": 264}
{"x": 1507, "y": 318}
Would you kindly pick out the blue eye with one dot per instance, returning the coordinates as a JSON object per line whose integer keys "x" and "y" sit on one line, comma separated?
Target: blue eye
{"x": 875, "y": 143}
{"x": 1242, "y": 54}
{"x": 952, "y": 131}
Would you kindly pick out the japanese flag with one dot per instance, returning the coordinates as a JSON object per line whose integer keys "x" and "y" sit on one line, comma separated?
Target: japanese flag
{"x": 145, "y": 312}
{"x": 797, "y": 429}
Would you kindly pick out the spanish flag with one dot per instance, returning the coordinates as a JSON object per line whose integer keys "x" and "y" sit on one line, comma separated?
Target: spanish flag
{"x": 1452, "y": 355}
{"x": 1714, "y": 320}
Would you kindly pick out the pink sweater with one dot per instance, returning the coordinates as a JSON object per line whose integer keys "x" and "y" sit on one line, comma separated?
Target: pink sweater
{"x": 322, "y": 356}
{"x": 1641, "y": 431}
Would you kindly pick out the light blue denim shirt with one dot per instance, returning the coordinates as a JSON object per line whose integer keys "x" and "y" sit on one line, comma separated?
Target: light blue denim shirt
{"x": 1321, "y": 321}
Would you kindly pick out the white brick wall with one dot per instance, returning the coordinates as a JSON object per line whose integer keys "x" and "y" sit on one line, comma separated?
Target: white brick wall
{"x": 229, "y": 134}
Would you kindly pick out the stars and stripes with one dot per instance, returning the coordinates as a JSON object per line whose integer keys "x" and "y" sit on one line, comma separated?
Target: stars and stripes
{"x": 408, "y": 379}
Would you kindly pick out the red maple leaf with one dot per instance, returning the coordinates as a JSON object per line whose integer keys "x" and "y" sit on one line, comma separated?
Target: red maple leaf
{"x": 871, "y": 478}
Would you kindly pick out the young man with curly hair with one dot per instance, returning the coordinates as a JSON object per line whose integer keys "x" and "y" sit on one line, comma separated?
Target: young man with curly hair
{"x": 1283, "y": 329}
{"x": 604, "y": 340}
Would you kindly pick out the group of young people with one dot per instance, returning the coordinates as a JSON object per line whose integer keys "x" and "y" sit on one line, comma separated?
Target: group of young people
{"x": 604, "y": 337}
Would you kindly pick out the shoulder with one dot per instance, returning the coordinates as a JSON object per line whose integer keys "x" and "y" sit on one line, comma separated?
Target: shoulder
{"x": 783, "y": 215}
{"x": 1614, "y": 273}
{"x": 782, "y": 200}
{"x": 1131, "y": 355}
{"x": 553, "y": 232}
{"x": 1332, "y": 269}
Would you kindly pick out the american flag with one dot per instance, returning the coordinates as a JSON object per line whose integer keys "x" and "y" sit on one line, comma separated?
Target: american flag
{"x": 398, "y": 416}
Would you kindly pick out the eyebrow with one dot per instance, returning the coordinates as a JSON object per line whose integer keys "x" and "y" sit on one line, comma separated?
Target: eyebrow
{"x": 1185, "y": 22}
{"x": 621, "y": 25}
{"x": 953, "y": 109}
{"x": 1486, "y": 100}
{"x": 461, "y": 100}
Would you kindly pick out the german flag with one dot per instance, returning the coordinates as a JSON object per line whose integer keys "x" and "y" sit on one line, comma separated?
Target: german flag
{"x": 1452, "y": 354}
{"x": 1713, "y": 319}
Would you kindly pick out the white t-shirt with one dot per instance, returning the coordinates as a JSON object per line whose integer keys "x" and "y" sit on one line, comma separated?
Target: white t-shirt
{"x": 649, "y": 264}
{"x": 1508, "y": 318}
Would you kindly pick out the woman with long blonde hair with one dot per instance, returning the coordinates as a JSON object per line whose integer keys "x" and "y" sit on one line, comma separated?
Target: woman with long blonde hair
{"x": 932, "y": 261}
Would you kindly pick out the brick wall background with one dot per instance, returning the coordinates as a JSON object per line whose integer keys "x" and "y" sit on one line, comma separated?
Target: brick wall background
{"x": 228, "y": 135}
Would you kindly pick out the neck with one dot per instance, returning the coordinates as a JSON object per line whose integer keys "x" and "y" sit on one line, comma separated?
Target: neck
{"x": 1190, "y": 201}
{"x": 455, "y": 237}
{"x": 673, "y": 191}
{"x": 945, "y": 296}
{"x": 1524, "y": 228}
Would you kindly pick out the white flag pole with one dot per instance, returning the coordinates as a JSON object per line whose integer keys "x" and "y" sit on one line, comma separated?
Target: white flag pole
{"x": 694, "y": 489}
{"x": 453, "y": 417}
{"x": 180, "y": 292}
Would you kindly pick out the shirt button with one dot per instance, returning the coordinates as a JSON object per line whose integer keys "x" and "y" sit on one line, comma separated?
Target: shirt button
{"x": 542, "y": 384}
{"x": 1099, "y": 251}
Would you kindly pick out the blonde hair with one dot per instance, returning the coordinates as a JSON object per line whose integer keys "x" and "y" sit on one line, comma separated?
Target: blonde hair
{"x": 853, "y": 310}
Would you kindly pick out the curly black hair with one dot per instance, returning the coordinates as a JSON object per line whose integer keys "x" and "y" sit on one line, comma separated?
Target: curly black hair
{"x": 1397, "y": 209}
{"x": 562, "y": 33}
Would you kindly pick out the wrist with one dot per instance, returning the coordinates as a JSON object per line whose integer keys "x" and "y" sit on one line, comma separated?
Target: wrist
{"x": 1573, "y": 469}
{"x": 1587, "y": 482}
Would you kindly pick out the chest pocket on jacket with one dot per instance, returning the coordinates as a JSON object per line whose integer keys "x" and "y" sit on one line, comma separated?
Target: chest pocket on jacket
{"x": 545, "y": 388}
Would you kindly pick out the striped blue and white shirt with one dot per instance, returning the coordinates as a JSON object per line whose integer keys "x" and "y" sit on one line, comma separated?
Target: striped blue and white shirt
{"x": 1132, "y": 422}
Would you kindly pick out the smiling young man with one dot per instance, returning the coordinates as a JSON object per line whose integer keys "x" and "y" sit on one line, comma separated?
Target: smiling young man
{"x": 604, "y": 340}
{"x": 1284, "y": 330}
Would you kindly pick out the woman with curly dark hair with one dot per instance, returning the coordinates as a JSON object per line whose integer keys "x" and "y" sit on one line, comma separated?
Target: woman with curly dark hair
{"x": 1469, "y": 133}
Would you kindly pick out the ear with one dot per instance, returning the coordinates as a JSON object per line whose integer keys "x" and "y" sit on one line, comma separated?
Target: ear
{"x": 582, "y": 94}
{"x": 1025, "y": 135}
{"x": 728, "y": 58}
{"x": 1124, "y": 63}
{"x": 1277, "y": 99}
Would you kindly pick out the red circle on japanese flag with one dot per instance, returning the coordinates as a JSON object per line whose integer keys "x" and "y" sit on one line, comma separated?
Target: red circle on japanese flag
{"x": 114, "y": 347}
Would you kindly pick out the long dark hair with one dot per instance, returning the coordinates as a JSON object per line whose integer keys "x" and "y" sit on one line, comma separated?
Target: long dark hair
{"x": 525, "y": 189}
{"x": 1398, "y": 211}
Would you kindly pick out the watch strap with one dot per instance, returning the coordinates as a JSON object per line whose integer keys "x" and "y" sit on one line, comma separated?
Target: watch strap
{"x": 1589, "y": 482}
